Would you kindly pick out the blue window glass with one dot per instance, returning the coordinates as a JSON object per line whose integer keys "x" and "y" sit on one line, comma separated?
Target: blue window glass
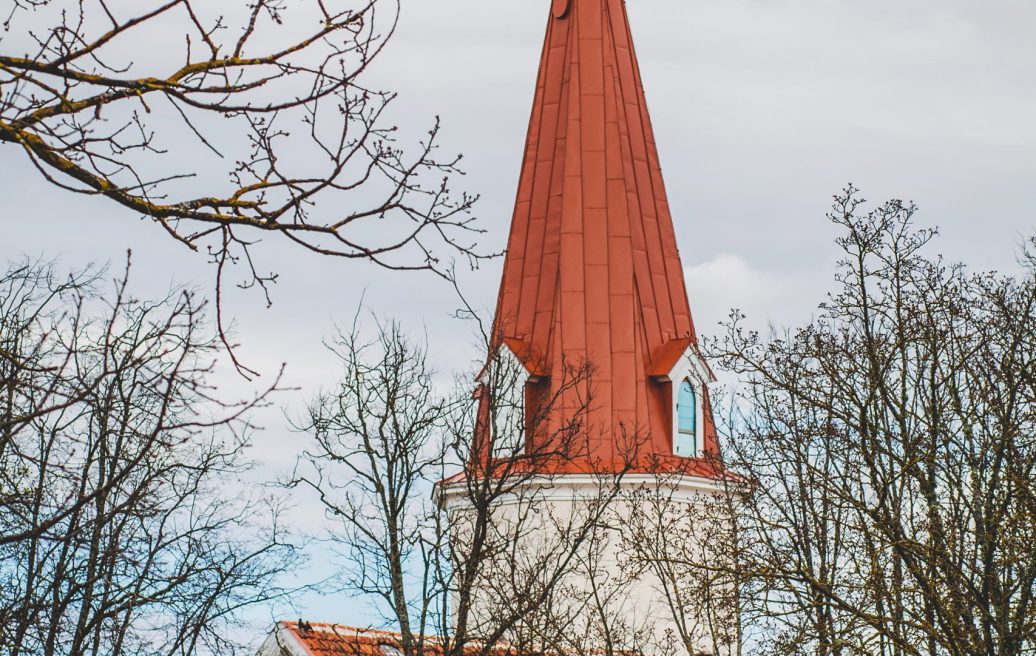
{"x": 686, "y": 420}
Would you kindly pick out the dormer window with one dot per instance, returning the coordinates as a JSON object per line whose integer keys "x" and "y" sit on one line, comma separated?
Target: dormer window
{"x": 680, "y": 368}
{"x": 686, "y": 442}
{"x": 519, "y": 395}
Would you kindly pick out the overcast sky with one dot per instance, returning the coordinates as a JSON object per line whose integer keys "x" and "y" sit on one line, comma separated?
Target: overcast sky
{"x": 762, "y": 110}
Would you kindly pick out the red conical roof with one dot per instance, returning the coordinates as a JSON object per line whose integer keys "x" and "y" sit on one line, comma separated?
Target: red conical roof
{"x": 592, "y": 269}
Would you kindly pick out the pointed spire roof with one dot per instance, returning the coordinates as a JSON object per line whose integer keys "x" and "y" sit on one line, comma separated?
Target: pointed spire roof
{"x": 592, "y": 269}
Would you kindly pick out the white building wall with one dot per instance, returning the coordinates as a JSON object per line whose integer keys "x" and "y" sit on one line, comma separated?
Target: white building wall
{"x": 607, "y": 583}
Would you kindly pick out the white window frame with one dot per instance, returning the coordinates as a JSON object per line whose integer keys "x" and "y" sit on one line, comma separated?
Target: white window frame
{"x": 502, "y": 449}
{"x": 689, "y": 366}
{"x": 678, "y": 433}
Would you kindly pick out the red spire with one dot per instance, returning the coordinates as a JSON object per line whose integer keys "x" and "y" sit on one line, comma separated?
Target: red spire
{"x": 592, "y": 269}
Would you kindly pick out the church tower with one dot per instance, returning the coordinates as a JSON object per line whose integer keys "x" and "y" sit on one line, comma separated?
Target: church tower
{"x": 592, "y": 274}
{"x": 593, "y": 518}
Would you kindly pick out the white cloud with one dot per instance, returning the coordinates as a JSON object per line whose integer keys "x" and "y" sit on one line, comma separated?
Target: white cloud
{"x": 728, "y": 281}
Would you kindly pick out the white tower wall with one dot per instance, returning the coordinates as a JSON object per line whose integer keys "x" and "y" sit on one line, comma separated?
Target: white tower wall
{"x": 612, "y": 586}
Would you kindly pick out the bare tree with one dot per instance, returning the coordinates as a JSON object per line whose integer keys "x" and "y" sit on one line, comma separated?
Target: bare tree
{"x": 128, "y": 100}
{"x": 500, "y": 562}
{"x": 892, "y": 445}
{"x": 117, "y": 535}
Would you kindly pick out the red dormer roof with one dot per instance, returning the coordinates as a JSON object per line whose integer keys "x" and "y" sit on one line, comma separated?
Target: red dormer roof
{"x": 592, "y": 271}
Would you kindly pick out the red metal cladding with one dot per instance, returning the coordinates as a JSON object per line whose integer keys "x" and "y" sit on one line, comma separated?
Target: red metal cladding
{"x": 592, "y": 272}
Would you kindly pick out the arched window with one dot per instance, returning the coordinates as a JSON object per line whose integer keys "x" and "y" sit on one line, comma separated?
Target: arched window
{"x": 686, "y": 420}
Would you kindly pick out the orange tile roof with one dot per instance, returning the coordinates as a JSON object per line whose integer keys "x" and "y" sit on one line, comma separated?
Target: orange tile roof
{"x": 592, "y": 269}
{"x": 318, "y": 639}
{"x": 321, "y": 639}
